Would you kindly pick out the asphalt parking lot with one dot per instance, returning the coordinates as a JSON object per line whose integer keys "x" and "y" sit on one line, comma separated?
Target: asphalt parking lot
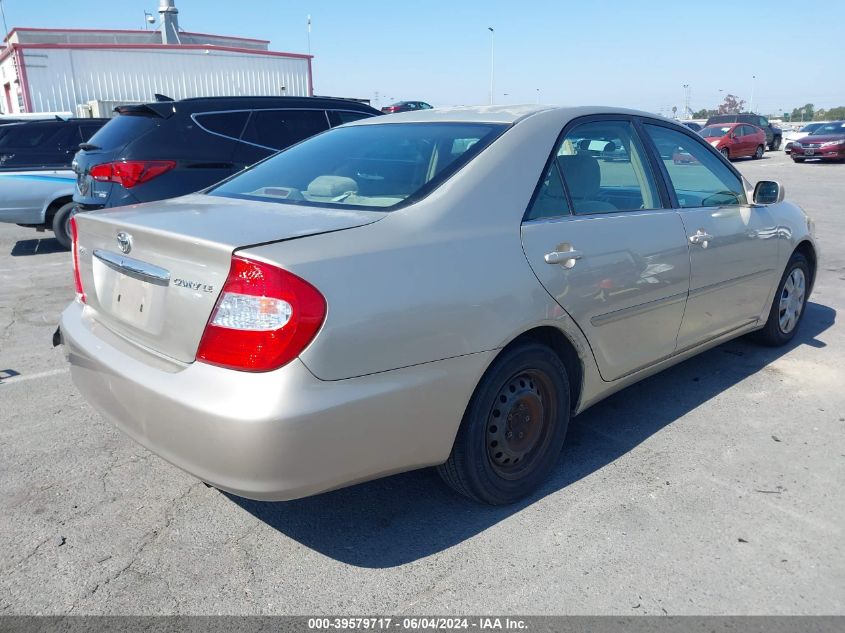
{"x": 714, "y": 487}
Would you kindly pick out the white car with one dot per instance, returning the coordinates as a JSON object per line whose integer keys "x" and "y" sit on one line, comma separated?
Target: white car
{"x": 794, "y": 135}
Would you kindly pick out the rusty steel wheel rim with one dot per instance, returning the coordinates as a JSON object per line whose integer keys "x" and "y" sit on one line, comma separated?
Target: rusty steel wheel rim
{"x": 520, "y": 423}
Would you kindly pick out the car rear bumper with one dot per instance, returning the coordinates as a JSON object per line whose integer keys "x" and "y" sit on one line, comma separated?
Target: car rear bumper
{"x": 276, "y": 435}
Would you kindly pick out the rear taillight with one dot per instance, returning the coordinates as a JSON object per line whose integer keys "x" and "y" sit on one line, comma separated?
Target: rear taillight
{"x": 77, "y": 278}
{"x": 263, "y": 319}
{"x": 129, "y": 173}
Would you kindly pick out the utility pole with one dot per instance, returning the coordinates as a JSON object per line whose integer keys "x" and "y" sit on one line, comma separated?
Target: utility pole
{"x": 492, "y": 34}
{"x": 3, "y": 13}
{"x": 686, "y": 101}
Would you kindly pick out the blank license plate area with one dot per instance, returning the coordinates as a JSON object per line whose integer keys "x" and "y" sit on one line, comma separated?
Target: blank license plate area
{"x": 138, "y": 303}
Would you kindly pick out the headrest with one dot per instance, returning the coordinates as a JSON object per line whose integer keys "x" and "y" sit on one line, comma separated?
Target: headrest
{"x": 331, "y": 186}
{"x": 582, "y": 175}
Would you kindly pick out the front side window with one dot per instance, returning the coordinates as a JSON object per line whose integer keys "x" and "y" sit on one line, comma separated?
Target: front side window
{"x": 363, "y": 166}
{"x": 699, "y": 177}
{"x": 604, "y": 167}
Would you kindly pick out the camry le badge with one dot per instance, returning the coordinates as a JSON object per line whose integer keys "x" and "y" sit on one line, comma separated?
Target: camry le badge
{"x": 124, "y": 242}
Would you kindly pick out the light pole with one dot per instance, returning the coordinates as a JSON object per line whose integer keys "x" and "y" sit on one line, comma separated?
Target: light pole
{"x": 751, "y": 104}
{"x": 308, "y": 32}
{"x": 538, "y": 95}
{"x": 492, "y": 34}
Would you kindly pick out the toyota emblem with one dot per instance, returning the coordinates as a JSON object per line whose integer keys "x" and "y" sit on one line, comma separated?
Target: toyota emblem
{"x": 124, "y": 242}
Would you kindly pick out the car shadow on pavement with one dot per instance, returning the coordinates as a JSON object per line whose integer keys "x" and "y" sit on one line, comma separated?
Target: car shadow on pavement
{"x": 399, "y": 519}
{"x": 23, "y": 248}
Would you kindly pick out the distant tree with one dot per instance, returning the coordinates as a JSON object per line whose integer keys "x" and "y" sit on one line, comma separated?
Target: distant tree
{"x": 731, "y": 105}
{"x": 834, "y": 114}
{"x": 704, "y": 113}
{"x": 803, "y": 113}
{"x": 820, "y": 115}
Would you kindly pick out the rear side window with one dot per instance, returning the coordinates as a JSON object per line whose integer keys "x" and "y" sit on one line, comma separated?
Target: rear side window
{"x": 278, "y": 129}
{"x": 699, "y": 177}
{"x": 122, "y": 129}
{"x": 605, "y": 170}
{"x": 363, "y": 166}
{"x": 339, "y": 117}
{"x": 68, "y": 138}
{"x": 87, "y": 131}
{"x": 228, "y": 124}
{"x": 29, "y": 135}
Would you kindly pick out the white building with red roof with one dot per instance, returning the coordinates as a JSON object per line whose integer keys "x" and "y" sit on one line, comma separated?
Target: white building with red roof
{"x": 59, "y": 70}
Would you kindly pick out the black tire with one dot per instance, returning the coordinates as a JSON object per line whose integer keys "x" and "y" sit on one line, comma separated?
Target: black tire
{"x": 775, "y": 145}
{"x": 521, "y": 380}
{"x": 774, "y": 333}
{"x": 60, "y": 226}
{"x": 758, "y": 153}
{"x": 726, "y": 153}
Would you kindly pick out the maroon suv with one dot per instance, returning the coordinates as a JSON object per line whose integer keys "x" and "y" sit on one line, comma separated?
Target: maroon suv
{"x": 826, "y": 143}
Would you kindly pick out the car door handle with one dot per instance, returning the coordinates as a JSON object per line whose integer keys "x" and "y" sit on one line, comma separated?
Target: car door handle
{"x": 701, "y": 238}
{"x": 567, "y": 258}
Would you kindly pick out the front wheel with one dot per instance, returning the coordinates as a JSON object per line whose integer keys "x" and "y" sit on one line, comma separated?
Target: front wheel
{"x": 61, "y": 223}
{"x": 788, "y": 305}
{"x": 758, "y": 154}
{"x": 797, "y": 160}
{"x": 513, "y": 429}
{"x": 724, "y": 151}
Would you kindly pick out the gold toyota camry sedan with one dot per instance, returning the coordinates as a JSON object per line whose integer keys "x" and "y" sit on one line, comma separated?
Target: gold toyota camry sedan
{"x": 445, "y": 287}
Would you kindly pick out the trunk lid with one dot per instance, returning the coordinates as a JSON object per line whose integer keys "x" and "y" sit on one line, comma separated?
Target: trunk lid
{"x": 152, "y": 272}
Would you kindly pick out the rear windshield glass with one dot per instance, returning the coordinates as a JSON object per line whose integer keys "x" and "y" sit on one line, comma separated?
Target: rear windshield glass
{"x": 364, "y": 166}
{"x": 715, "y": 131}
{"x": 123, "y": 128}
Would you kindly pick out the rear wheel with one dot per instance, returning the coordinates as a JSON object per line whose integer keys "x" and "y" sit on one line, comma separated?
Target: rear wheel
{"x": 513, "y": 429}
{"x": 758, "y": 154}
{"x": 788, "y": 305}
{"x": 61, "y": 223}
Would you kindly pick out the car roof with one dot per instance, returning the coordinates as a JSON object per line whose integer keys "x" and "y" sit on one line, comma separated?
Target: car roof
{"x": 506, "y": 114}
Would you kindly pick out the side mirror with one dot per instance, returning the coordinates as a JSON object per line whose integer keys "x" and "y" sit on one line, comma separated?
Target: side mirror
{"x": 768, "y": 192}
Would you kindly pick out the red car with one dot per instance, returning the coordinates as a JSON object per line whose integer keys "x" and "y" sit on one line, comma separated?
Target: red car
{"x": 735, "y": 140}
{"x": 826, "y": 142}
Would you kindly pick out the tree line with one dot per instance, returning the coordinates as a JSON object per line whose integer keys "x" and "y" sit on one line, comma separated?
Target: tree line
{"x": 808, "y": 112}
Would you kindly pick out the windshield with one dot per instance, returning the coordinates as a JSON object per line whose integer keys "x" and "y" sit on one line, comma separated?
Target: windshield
{"x": 363, "y": 166}
{"x": 715, "y": 131}
{"x": 810, "y": 127}
{"x": 837, "y": 127}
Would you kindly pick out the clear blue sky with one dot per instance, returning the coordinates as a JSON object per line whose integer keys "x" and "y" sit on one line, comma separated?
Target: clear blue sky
{"x": 616, "y": 52}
